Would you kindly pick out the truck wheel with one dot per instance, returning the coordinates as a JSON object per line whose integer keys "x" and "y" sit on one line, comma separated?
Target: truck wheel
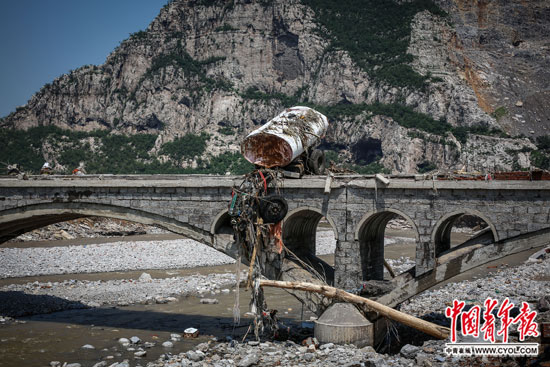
{"x": 317, "y": 162}
{"x": 273, "y": 208}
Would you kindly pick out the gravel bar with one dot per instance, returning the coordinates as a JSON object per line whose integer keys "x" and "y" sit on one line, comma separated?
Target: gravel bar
{"x": 17, "y": 300}
{"x": 116, "y": 256}
{"x": 525, "y": 283}
{"x": 121, "y": 256}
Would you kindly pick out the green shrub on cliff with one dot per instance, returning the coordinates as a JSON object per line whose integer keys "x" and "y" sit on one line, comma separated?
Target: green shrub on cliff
{"x": 375, "y": 33}
{"x": 541, "y": 158}
{"x": 187, "y": 146}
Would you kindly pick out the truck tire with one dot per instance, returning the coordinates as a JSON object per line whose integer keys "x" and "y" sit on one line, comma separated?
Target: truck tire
{"x": 273, "y": 208}
{"x": 317, "y": 162}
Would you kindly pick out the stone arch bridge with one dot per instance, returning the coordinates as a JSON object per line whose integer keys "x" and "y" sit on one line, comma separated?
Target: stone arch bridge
{"x": 357, "y": 207}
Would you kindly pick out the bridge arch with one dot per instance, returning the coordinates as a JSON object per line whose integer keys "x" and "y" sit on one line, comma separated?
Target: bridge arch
{"x": 221, "y": 224}
{"x": 370, "y": 235}
{"x": 300, "y": 237}
{"x": 221, "y": 230}
{"x": 441, "y": 233}
{"x": 16, "y": 221}
{"x": 300, "y": 226}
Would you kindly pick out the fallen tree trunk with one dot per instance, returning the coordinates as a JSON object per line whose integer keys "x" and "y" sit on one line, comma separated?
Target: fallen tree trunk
{"x": 293, "y": 272}
{"x": 437, "y": 331}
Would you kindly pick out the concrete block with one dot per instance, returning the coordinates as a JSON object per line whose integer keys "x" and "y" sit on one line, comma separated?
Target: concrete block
{"x": 165, "y": 190}
{"x": 519, "y": 209}
{"x": 350, "y": 236}
{"x": 522, "y": 227}
{"x": 541, "y": 219}
{"x": 531, "y": 227}
{"x": 342, "y": 323}
{"x": 345, "y": 260}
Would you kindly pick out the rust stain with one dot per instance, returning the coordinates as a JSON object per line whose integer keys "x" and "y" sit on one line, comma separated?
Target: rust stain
{"x": 276, "y": 232}
{"x": 267, "y": 151}
{"x": 271, "y": 145}
{"x": 478, "y": 86}
{"x": 482, "y": 13}
{"x": 461, "y": 61}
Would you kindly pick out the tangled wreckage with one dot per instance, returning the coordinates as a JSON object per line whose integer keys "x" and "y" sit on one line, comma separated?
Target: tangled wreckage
{"x": 286, "y": 146}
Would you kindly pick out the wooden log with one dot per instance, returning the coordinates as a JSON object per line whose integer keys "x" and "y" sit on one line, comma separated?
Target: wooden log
{"x": 389, "y": 268}
{"x": 434, "y": 330}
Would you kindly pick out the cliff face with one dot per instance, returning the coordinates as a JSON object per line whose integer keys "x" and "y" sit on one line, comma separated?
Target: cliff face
{"x": 502, "y": 50}
{"x": 226, "y": 67}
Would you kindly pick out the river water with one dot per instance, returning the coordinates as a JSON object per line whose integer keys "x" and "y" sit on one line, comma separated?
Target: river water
{"x": 59, "y": 336}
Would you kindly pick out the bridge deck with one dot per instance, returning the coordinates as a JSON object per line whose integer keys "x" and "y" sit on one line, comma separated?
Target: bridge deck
{"x": 317, "y": 182}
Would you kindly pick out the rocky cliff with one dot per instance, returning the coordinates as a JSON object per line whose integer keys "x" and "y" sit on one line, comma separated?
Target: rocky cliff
{"x": 453, "y": 88}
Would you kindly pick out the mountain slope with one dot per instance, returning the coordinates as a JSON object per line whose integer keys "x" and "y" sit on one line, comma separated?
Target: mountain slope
{"x": 402, "y": 86}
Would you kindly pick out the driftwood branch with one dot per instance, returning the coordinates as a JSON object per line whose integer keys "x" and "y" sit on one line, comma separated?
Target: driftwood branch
{"x": 331, "y": 292}
{"x": 389, "y": 268}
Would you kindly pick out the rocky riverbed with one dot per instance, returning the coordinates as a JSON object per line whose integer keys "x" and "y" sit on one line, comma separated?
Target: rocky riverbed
{"x": 117, "y": 256}
{"x": 289, "y": 353}
{"x": 20, "y": 299}
{"x": 527, "y": 282}
{"x": 121, "y": 256}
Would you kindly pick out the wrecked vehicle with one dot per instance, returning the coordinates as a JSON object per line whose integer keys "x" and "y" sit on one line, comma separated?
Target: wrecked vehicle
{"x": 289, "y": 141}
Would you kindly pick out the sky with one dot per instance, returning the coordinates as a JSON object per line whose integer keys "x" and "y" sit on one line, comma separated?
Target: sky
{"x": 43, "y": 39}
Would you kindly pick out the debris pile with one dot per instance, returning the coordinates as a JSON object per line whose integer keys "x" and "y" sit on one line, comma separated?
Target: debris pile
{"x": 257, "y": 210}
{"x": 256, "y": 219}
{"x": 285, "y": 146}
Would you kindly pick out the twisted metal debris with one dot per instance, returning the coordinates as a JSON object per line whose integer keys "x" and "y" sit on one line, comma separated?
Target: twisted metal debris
{"x": 256, "y": 219}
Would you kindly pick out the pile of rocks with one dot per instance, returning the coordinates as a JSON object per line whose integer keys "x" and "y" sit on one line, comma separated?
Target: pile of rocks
{"x": 288, "y": 353}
